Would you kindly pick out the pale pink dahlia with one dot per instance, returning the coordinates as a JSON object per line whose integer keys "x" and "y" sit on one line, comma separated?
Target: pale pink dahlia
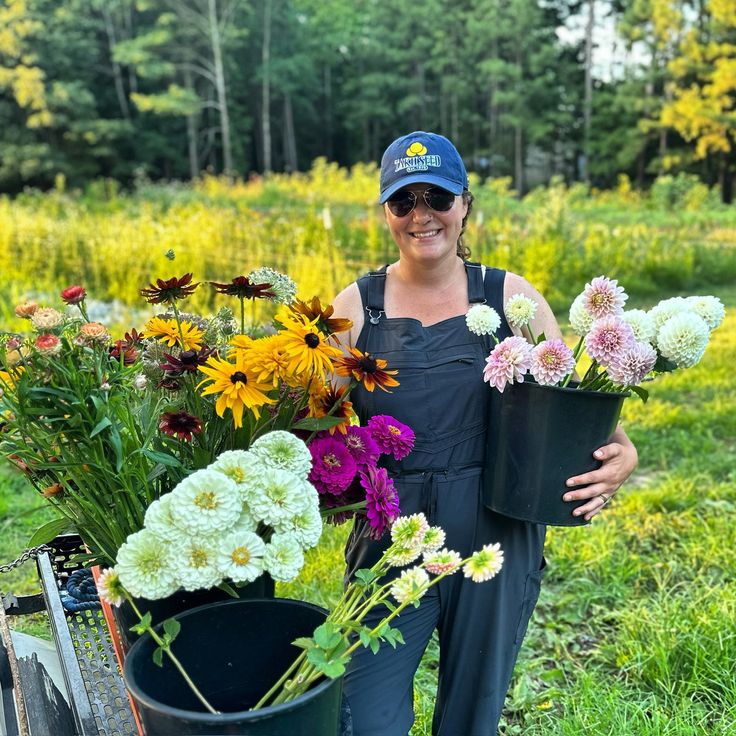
{"x": 508, "y": 362}
{"x": 608, "y": 339}
{"x": 603, "y": 297}
{"x": 630, "y": 368}
{"x": 551, "y": 361}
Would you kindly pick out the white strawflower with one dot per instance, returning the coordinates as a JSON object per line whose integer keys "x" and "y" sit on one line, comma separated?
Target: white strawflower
{"x": 140, "y": 381}
{"x": 158, "y": 519}
{"x": 280, "y": 284}
{"x": 283, "y": 558}
{"x": 641, "y": 323}
{"x": 484, "y": 564}
{"x": 305, "y": 527}
{"x": 146, "y": 566}
{"x": 240, "y": 556}
{"x": 410, "y": 530}
{"x": 433, "y": 539}
{"x": 683, "y": 338}
{"x": 665, "y": 309}
{"x": 580, "y": 319}
{"x": 241, "y": 466}
{"x": 204, "y": 502}
{"x": 410, "y": 586}
{"x": 283, "y": 450}
{"x": 444, "y": 561}
{"x": 109, "y": 587}
{"x": 46, "y": 318}
{"x": 710, "y": 308}
{"x": 277, "y": 496}
{"x": 482, "y": 319}
{"x": 520, "y": 310}
{"x": 197, "y": 563}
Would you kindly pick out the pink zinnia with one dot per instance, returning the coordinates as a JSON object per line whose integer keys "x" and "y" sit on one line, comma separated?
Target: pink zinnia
{"x": 608, "y": 339}
{"x": 391, "y": 436}
{"x": 381, "y": 499}
{"x": 630, "y": 368}
{"x": 361, "y": 445}
{"x": 333, "y": 467}
{"x": 508, "y": 362}
{"x": 48, "y": 344}
{"x": 603, "y": 297}
{"x": 551, "y": 361}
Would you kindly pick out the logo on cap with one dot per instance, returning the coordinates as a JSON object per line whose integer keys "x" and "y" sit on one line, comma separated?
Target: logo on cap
{"x": 417, "y": 159}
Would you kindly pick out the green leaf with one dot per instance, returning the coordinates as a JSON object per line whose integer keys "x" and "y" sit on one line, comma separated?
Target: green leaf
{"x": 143, "y": 625}
{"x": 48, "y": 531}
{"x": 158, "y": 656}
{"x": 365, "y": 637}
{"x": 172, "y": 628}
{"x": 104, "y": 423}
{"x": 304, "y": 642}
{"x": 163, "y": 458}
{"x": 227, "y": 588}
{"x": 365, "y": 577}
{"x": 333, "y": 669}
{"x": 317, "y": 658}
{"x": 327, "y": 636}
{"x": 642, "y": 393}
{"x": 316, "y": 424}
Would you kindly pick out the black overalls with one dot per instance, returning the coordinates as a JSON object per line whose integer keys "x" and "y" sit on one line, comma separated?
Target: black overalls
{"x": 443, "y": 398}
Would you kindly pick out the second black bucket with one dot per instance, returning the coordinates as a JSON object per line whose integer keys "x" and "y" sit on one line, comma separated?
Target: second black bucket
{"x": 538, "y": 437}
{"x": 234, "y": 652}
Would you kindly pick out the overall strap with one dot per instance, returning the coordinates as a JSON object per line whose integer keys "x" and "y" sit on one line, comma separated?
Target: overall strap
{"x": 494, "y": 282}
{"x": 374, "y": 295}
{"x": 476, "y": 292}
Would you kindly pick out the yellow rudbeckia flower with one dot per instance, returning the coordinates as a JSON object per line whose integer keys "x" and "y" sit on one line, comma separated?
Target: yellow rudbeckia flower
{"x": 167, "y": 332}
{"x": 307, "y": 347}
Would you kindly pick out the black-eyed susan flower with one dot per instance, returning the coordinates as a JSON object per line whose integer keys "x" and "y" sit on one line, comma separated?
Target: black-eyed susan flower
{"x": 323, "y": 319}
{"x": 307, "y": 347}
{"x": 243, "y": 288}
{"x": 364, "y": 367}
{"x": 167, "y": 331}
{"x": 169, "y": 290}
{"x": 180, "y": 424}
{"x": 268, "y": 358}
{"x": 238, "y": 386}
{"x": 329, "y": 400}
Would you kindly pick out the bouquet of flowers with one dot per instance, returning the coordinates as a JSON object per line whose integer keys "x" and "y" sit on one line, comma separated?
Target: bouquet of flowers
{"x": 624, "y": 347}
{"x": 104, "y": 427}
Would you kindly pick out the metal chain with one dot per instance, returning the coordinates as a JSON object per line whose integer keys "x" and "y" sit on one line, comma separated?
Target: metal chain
{"x": 29, "y": 554}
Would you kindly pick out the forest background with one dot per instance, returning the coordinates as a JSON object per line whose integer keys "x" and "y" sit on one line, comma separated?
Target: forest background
{"x": 582, "y": 89}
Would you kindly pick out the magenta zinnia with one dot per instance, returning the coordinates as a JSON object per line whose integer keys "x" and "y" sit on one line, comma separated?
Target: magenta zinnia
{"x": 361, "y": 445}
{"x": 391, "y": 436}
{"x": 633, "y": 364}
{"x": 608, "y": 339}
{"x": 603, "y": 297}
{"x": 551, "y": 361}
{"x": 333, "y": 467}
{"x": 381, "y": 499}
{"x": 508, "y": 362}
{"x": 180, "y": 424}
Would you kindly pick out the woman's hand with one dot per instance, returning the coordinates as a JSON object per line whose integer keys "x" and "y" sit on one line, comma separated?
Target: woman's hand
{"x": 619, "y": 460}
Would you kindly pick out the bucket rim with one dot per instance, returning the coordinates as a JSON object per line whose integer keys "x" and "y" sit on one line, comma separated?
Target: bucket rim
{"x": 572, "y": 389}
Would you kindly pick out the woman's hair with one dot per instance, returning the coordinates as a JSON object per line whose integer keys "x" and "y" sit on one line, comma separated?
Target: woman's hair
{"x": 462, "y": 250}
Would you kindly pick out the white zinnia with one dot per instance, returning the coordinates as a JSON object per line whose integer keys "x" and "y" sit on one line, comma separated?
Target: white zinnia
{"x": 283, "y": 558}
{"x": 197, "y": 564}
{"x": 277, "y": 496}
{"x": 158, "y": 519}
{"x": 305, "y": 527}
{"x": 520, "y": 310}
{"x": 283, "y": 450}
{"x": 206, "y": 501}
{"x": 641, "y": 323}
{"x": 241, "y": 466}
{"x": 410, "y": 586}
{"x": 146, "y": 566}
{"x": 240, "y": 556}
{"x": 482, "y": 319}
{"x": 580, "y": 319}
{"x": 710, "y": 308}
{"x": 683, "y": 339}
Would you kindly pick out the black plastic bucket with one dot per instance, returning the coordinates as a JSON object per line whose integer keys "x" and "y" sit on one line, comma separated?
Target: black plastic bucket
{"x": 538, "y": 437}
{"x": 234, "y": 652}
{"x": 181, "y": 601}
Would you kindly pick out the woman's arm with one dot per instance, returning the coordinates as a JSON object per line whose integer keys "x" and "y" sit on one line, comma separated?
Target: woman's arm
{"x": 619, "y": 458}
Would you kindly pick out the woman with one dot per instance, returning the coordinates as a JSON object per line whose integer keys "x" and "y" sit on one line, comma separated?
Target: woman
{"x": 412, "y": 313}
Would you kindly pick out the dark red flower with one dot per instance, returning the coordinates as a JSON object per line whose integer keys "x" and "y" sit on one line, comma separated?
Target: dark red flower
{"x": 128, "y": 352}
{"x": 180, "y": 424}
{"x": 244, "y": 289}
{"x": 73, "y": 294}
{"x": 170, "y": 290}
{"x": 133, "y": 338}
{"x": 170, "y": 384}
{"x": 187, "y": 362}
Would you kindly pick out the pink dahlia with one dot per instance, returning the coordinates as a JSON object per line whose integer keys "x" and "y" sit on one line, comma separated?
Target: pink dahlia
{"x": 633, "y": 364}
{"x": 381, "y": 499}
{"x": 361, "y": 445}
{"x": 551, "y": 361}
{"x": 608, "y": 339}
{"x": 603, "y": 297}
{"x": 391, "y": 436}
{"x": 508, "y": 362}
{"x": 333, "y": 467}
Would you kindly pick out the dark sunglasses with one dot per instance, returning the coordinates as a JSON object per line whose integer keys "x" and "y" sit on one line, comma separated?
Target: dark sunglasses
{"x": 404, "y": 201}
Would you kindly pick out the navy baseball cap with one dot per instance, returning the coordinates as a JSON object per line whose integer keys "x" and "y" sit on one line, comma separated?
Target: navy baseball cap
{"x": 422, "y": 158}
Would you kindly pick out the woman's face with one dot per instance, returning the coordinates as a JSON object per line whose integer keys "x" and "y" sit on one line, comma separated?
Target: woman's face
{"x": 426, "y": 235}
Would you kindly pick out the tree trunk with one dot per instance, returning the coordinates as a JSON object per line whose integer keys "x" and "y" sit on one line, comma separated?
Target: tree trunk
{"x": 132, "y": 76}
{"x": 588, "y": 98}
{"x": 216, "y": 40}
{"x": 454, "y": 115}
{"x": 191, "y": 132}
{"x": 493, "y": 104}
{"x": 266, "y": 87}
{"x": 519, "y": 160}
{"x": 290, "y": 157}
{"x": 328, "y": 112}
{"x": 726, "y": 178}
{"x": 117, "y": 73}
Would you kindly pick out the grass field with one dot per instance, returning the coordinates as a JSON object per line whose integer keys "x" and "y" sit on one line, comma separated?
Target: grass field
{"x": 635, "y": 631}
